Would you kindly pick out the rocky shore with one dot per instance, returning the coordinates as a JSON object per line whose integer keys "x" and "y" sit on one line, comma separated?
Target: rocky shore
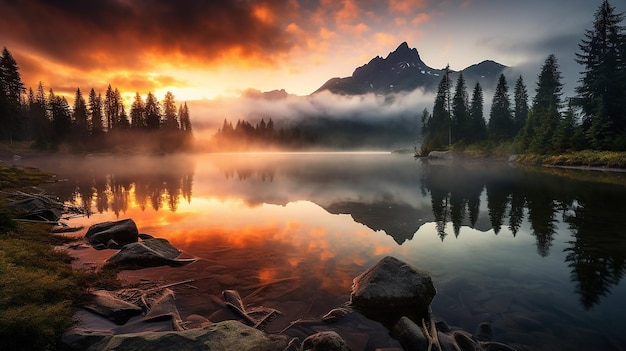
{"x": 392, "y": 299}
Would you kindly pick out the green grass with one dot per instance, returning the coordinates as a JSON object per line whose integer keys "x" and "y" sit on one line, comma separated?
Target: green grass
{"x": 587, "y": 158}
{"x": 39, "y": 290}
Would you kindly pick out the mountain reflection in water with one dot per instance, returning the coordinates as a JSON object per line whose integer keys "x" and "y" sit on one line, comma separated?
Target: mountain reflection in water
{"x": 540, "y": 255}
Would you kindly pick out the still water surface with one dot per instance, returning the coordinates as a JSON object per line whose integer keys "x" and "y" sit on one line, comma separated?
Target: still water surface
{"x": 541, "y": 255}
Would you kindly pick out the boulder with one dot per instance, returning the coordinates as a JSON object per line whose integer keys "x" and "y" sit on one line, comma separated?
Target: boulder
{"x": 324, "y": 341}
{"x": 147, "y": 253}
{"x": 392, "y": 285}
{"x": 223, "y": 336}
{"x": 112, "y": 307}
{"x": 112, "y": 235}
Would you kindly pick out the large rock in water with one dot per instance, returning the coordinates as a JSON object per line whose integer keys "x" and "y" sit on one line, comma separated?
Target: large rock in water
{"x": 392, "y": 285}
{"x": 223, "y": 336}
{"x": 147, "y": 253}
{"x": 112, "y": 235}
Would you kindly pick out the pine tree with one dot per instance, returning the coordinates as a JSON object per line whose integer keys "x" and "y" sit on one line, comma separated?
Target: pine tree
{"x": 95, "y": 113}
{"x": 602, "y": 90}
{"x": 110, "y": 108}
{"x": 544, "y": 116}
{"x": 11, "y": 91}
{"x": 153, "y": 112}
{"x": 478, "y": 126}
{"x": 137, "y": 113}
{"x": 500, "y": 126}
{"x": 39, "y": 117}
{"x": 438, "y": 126}
{"x": 81, "y": 126}
{"x": 185, "y": 120}
{"x": 520, "y": 98}
{"x": 61, "y": 118}
{"x": 460, "y": 111}
{"x": 170, "y": 120}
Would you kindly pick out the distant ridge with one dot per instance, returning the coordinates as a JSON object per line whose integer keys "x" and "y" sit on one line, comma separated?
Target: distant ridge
{"x": 403, "y": 70}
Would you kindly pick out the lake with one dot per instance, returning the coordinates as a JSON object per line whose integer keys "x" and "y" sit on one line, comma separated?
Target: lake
{"x": 539, "y": 253}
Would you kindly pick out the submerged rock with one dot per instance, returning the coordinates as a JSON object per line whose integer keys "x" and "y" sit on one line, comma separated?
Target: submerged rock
{"x": 112, "y": 307}
{"x": 324, "y": 341}
{"x": 223, "y": 336}
{"x": 147, "y": 253}
{"x": 112, "y": 235}
{"x": 392, "y": 286}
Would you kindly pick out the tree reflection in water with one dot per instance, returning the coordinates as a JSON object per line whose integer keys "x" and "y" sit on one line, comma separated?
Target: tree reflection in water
{"x": 596, "y": 255}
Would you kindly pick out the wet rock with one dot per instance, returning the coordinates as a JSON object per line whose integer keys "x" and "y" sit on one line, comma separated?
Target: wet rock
{"x": 164, "y": 307}
{"x": 392, "y": 285}
{"x": 336, "y": 314}
{"x": 113, "y": 308}
{"x": 410, "y": 335}
{"x": 324, "y": 341}
{"x": 112, "y": 235}
{"x": 147, "y": 253}
{"x": 81, "y": 339}
{"x": 223, "y": 336}
{"x": 484, "y": 332}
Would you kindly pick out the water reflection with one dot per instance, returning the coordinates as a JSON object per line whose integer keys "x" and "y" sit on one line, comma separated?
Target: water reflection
{"x": 594, "y": 212}
{"x": 116, "y": 183}
{"x": 279, "y": 227}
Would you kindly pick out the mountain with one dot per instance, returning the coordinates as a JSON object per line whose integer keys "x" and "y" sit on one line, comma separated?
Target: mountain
{"x": 404, "y": 70}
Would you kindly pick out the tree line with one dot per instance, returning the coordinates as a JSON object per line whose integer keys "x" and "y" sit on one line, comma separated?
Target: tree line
{"x": 93, "y": 123}
{"x": 245, "y": 136}
{"x": 594, "y": 119}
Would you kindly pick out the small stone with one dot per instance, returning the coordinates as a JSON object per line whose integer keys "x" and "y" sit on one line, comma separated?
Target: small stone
{"x": 325, "y": 341}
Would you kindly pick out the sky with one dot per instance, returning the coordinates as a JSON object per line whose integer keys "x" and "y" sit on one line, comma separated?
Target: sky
{"x": 207, "y": 50}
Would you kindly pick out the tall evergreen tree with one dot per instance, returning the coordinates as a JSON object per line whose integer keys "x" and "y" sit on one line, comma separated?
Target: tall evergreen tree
{"x": 478, "y": 126}
{"x": 544, "y": 116}
{"x": 500, "y": 126}
{"x": 81, "y": 114}
{"x": 460, "y": 111}
{"x": 438, "y": 128}
{"x": 61, "y": 118}
{"x": 185, "y": 120}
{"x": 137, "y": 113}
{"x": 40, "y": 118}
{"x": 110, "y": 108}
{"x": 170, "y": 119}
{"x": 95, "y": 113}
{"x": 120, "y": 116}
{"x": 11, "y": 91}
{"x": 520, "y": 98}
{"x": 602, "y": 90}
{"x": 153, "y": 112}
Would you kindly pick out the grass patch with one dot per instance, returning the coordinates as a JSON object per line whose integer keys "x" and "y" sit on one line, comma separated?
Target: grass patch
{"x": 39, "y": 290}
{"x": 585, "y": 158}
{"x": 12, "y": 176}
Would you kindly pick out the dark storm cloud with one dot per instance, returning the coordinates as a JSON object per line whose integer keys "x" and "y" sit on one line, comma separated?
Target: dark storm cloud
{"x": 131, "y": 33}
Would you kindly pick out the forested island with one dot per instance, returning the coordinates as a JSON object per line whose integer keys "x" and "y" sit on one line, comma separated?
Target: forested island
{"x": 595, "y": 119}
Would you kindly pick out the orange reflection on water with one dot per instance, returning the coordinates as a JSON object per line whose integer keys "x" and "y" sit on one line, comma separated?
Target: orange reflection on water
{"x": 270, "y": 253}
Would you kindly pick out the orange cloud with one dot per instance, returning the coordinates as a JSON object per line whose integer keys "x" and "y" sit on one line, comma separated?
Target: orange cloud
{"x": 420, "y": 18}
{"x": 405, "y": 6}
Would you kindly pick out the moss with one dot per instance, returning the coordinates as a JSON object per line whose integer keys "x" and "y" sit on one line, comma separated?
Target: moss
{"x": 39, "y": 290}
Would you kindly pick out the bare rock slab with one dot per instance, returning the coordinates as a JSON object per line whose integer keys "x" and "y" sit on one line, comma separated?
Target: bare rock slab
{"x": 147, "y": 253}
{"x": 223, "y": 336}
{"x": 112, "y": 234}
{"x": 391, "y": 285}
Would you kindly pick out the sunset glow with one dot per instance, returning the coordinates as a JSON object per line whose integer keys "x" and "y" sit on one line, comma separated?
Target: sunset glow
{"x": 209, "y": 54}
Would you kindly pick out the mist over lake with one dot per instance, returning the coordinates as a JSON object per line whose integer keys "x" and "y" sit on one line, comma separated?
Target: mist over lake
{"x": 539, "y": 254}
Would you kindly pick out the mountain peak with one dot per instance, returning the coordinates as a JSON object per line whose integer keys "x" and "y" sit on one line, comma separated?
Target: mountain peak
{"x": 402, "y": 70}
